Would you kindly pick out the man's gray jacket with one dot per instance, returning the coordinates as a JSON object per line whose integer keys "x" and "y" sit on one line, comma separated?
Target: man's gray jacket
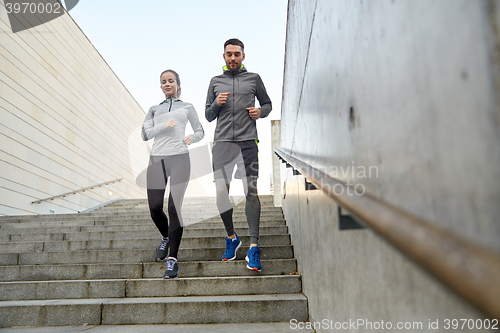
{"x": 233, "y": 121}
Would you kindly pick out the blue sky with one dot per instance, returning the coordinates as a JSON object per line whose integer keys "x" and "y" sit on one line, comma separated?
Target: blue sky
{"x": 141, "y": 39}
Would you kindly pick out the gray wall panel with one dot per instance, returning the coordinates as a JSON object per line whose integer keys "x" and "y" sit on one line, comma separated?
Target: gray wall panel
{"x": 405, "y": 87}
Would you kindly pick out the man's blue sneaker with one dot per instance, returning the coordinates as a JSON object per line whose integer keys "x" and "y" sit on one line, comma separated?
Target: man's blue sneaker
{"x": 231, "y": 247}
{"x": 253, "y": 259}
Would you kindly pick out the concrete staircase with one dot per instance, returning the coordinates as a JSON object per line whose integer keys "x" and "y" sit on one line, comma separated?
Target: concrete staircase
{"x": 99, "y": 268}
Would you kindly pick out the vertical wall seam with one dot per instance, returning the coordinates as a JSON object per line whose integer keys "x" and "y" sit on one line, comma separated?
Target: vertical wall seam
{"x": 494, "y": 25}
{"x": 284, "y": 60}
{"x": 304, "y": 74}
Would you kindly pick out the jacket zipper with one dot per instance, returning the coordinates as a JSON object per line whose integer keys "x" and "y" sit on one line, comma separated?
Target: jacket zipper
{"x": 233, "y": 106}
{"x": 171, "y": 101}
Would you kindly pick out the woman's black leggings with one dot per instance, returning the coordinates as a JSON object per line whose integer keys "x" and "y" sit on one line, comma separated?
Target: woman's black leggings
{"x": 178, "y": 168}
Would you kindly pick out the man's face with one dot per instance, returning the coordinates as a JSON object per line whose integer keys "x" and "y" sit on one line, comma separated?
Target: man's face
{"x": 233, "y": 56}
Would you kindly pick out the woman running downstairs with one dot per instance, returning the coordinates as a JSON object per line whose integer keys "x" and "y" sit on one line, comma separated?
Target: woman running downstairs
{"x": 166, "y": 123}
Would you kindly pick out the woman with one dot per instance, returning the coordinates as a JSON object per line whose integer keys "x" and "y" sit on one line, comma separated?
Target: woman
{"x": 166, "y": 123}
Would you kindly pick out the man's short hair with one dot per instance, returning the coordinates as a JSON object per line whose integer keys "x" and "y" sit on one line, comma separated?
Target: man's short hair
{"x": 234, "y": 41}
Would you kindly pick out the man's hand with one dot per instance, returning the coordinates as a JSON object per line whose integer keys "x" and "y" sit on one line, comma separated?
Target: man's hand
{"x": 254, "y": 113}
{"x": 170, "y": 123}
{"x": 187, "y": 140}
{"x": 222, "y": 98}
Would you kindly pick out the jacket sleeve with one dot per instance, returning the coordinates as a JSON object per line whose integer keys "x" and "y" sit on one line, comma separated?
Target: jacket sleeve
{"x": 211, "y": 107}
{"x": 149, "y": 130}
{"x": 199, "y": 133}
{"x": 264, "y": 100}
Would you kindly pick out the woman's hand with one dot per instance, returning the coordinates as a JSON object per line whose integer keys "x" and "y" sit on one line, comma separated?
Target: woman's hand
{"x": 170, "y": 123}
{"x": 187, "y": 140}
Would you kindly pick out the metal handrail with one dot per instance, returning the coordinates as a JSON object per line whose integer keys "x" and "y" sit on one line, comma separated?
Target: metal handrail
{"x": 80, "y": 190}
{"x": 470, "y": 270}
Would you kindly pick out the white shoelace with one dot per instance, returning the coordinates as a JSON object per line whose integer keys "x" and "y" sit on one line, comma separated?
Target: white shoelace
{"x": 170, "y": 264}
{"x": 164, "y": 243}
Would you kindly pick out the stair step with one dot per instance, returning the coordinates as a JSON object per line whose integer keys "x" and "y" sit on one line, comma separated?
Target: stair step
{"x": 119, "y": 288}
{"x": 133, "y": 256}
{"x": 185, "y": 208}
{"x": 99, "y": 268}
{"x": 276, "y": 327}
{"x": 146, "y": 244}
{"x": 117, "y": 235}
{"x": 115, "y": 219}
{"x": 77, "y": 221}
{"x": 142, "y": 270}
{"x": 137, "y": 212}
{"x": 200, "y": 216}
{"x": 155, "y": 310}
{"x": 133, "y": 225}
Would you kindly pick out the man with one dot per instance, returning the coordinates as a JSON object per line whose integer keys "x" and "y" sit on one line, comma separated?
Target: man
{"x": 231, "y": 100}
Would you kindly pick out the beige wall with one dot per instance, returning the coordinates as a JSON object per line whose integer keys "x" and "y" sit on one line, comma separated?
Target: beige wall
{"x": 65, "y": 121}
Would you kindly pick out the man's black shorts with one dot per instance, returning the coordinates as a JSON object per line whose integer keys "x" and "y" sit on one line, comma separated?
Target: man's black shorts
{"x": 243, "y": 154}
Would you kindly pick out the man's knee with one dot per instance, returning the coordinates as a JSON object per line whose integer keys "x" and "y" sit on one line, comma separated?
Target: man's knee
{"x": 252, "y": 193}
{"x": 252, "y": 196}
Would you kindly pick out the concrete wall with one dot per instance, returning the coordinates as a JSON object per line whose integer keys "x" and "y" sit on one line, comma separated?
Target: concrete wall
{"x": 66, "y": 121}
{"x": 410, "y": 89}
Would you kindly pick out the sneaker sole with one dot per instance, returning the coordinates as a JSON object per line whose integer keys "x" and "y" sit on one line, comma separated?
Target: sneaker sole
{"x": 236, "y": 249}
{"x": 255, "y": 269}
{"x": 167, "y": 277}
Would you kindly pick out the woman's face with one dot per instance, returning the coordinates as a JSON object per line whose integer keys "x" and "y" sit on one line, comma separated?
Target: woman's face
{"x": 169, "y": 84}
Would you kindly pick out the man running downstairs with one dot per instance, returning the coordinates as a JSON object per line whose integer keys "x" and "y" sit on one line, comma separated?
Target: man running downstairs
{"x": 231, "y": 100}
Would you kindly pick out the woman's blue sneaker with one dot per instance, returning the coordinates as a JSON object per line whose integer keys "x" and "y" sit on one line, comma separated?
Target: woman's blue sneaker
{"x": 231, "y": 247}
{"x": 253, "y": 259}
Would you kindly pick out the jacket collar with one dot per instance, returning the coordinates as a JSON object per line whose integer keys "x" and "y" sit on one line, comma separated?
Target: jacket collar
{"x": 171, "y": 98}
{"x": 241, "y": 70}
